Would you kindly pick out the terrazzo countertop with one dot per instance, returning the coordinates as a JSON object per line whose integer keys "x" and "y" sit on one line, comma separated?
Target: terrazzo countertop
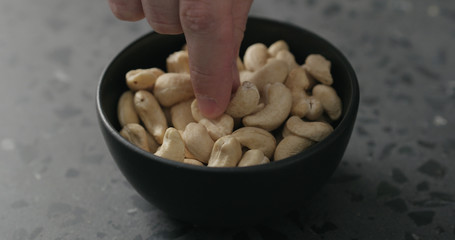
{"x": 396, "y": 180}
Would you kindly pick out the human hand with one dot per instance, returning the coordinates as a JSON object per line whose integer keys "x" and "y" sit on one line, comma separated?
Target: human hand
{"x": 213, "y": 30}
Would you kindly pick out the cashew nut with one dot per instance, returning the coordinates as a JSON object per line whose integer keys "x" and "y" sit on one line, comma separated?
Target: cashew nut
{"x": 291, "y": 145}
{"x": 178, "y": 62}
{"x": 195, "y": 112}
{"x": 315, "y": 131}
{"x": 245, "y": 101}
{"x": 273, "y": 71}
{"x": 181, "y": 114}
{"x": 256, "y": 138}
{"x": 329, "y": 99}
{"x": 277, "y": 108}
{"x": 187, "y": 153}
{"x": 319, "y": 67}
{"x": 140, "y": 79}
{"x": 172, "y": 88}
{"x": 255, "y": 56}
{"x": 135, "y": 134}
{"x": 300, "y": 106}
{"x": 173, "y": 147}
{"x": 253, "y": 157}
{"x": 151, "y": 114}
{"x": 198, "y": 141}
{"x": 193, "y": 162}
{"x": 218, "y": 127}
{"x": 289, "y": 58}
{"x": 226, "y": 152}
{"x": 324, "y": 118}
{"x": 245, "y": 76}
{"x": 278, "y": 101}
{"x": 298, "y": 81}
{"x": 305, "y": 106}
{"x": 284, "y": 133}
{"x": 125, "y": 109}
{"x": 277, "y": 46}
{"x": 315, "y": 108}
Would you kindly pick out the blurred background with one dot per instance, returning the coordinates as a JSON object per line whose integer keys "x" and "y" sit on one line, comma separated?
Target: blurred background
{"x": 396, "y": 180}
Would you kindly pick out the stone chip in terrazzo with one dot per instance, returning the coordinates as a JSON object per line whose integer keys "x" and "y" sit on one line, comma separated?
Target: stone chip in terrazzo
{"x": 433, "y": 169}
{"x": 67, "y": 111}
{"x": 386, "y": 189}
{"x": 421, "y": 218}
{"x": 387, "y": 150}
{"x": 423, "y": 186}
{"x": 398, "y": 205}
{"x": 398, "y": 176}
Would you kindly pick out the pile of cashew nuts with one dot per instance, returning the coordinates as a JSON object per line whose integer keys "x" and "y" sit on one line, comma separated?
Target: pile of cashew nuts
{"x": 280, "y": 109}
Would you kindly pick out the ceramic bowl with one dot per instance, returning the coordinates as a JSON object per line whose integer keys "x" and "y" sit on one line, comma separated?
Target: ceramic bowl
{"x": 227, "y": 196}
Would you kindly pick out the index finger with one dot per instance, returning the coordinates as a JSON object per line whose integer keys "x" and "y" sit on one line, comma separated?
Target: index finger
{"x": 209, "y": 32}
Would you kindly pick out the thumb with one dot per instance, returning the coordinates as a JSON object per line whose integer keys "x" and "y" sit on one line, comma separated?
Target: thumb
{"x": 209, "y": 32}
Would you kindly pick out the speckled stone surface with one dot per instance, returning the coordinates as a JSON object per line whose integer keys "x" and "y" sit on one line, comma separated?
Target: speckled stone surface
{"x": 396, "y": 180}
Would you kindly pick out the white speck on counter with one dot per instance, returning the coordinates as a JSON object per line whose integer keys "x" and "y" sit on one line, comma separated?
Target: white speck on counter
{"x": 132, "y": 211}
{"x": 61, "y": 75}
{"x": 415, "y": 236}
{"x": 8, "y": 144}
{"x": 439, "y": 121}
{"x": 38, "y": 176}
{"x": 433, "y": 11}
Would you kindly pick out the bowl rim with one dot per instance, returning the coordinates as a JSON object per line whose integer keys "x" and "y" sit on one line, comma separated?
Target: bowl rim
{"x": 349, "y": 115}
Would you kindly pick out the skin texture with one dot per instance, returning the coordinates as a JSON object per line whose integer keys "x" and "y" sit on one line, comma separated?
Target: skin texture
{"x": 213, "y": 32}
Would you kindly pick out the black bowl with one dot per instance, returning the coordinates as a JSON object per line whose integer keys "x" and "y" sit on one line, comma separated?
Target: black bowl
{"x": 227, "y": 196}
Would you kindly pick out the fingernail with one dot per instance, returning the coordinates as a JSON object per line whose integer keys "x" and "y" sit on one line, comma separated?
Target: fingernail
{"x": 208, "y": 106}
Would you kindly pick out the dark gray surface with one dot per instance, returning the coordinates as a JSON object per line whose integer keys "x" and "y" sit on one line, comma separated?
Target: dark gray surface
{"x": 396, "y": 181}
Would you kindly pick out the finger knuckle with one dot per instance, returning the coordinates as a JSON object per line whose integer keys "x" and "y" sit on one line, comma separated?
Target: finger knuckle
{"x": 196, "y": 16}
